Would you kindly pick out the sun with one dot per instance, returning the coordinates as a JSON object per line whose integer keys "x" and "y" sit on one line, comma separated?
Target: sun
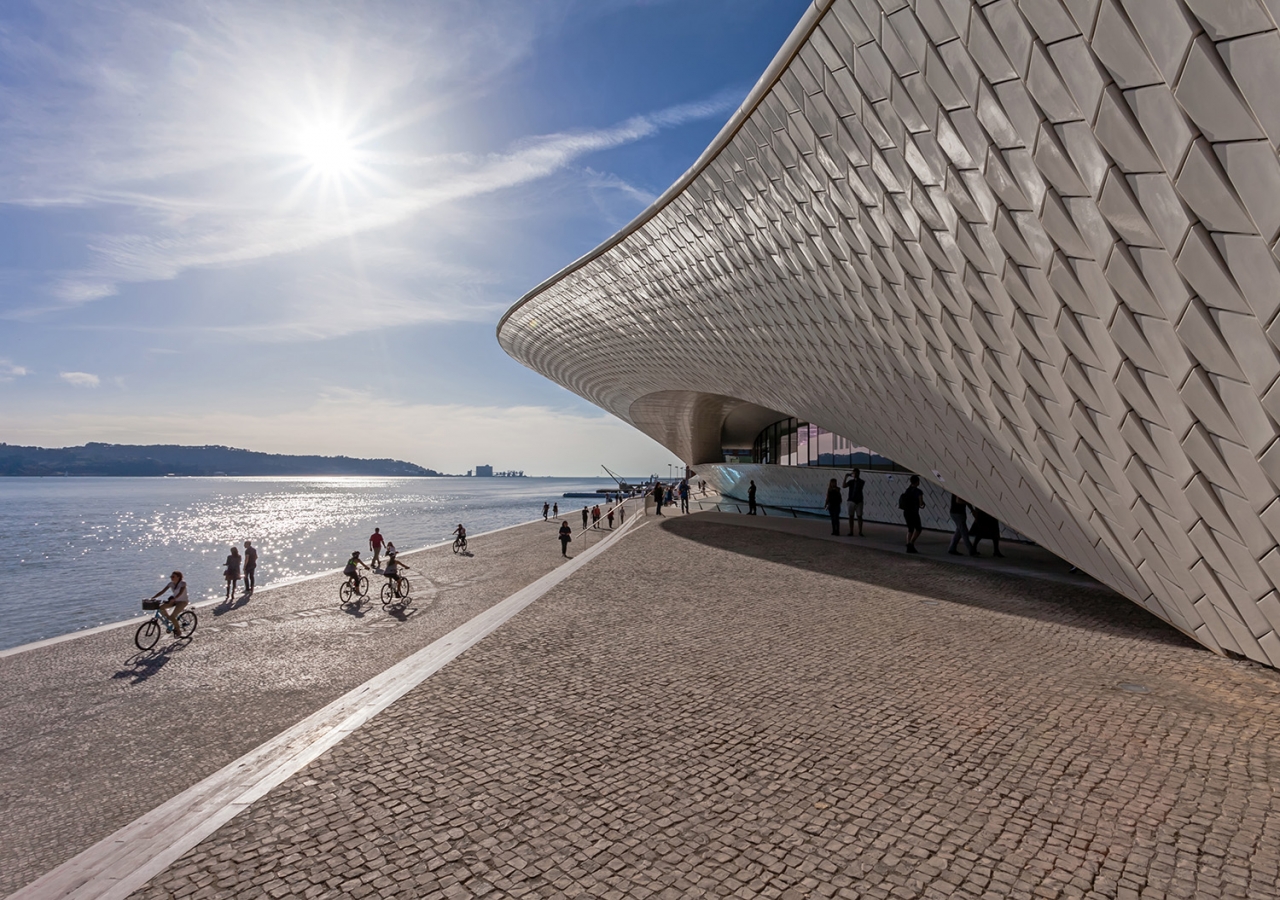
{"x": 328, "y": 150}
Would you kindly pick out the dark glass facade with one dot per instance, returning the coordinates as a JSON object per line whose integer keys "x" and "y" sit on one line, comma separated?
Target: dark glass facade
{"x": 791, "y": 442}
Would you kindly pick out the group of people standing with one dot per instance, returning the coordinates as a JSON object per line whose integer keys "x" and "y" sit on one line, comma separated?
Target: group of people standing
{"x": 985, "y": 526}
{"x": 666, "y": 495}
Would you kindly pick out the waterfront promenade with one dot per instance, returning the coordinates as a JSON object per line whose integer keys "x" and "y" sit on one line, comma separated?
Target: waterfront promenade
{"x": 707, "y": 709}
{"x": 97, "y": 733}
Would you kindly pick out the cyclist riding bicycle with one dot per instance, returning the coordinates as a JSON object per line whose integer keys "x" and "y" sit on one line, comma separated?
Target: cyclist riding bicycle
{"x": 461, "y": 533}
{"x": 175, "y": 603}
{"x": 349, "y": 570}
{"x": 392, "y": 568}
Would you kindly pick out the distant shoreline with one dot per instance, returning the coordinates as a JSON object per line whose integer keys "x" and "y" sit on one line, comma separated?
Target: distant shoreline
{"x": 174, "y": 460}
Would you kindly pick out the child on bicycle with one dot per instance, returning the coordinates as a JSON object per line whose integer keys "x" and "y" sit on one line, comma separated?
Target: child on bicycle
{"x": 392, "y": 569}
{"x": 175, "y": 603}
{"x": 461, "y": 533}
{"x": 350, "y": 571}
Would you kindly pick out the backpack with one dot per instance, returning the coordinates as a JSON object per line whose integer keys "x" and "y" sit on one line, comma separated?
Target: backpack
{"x": 902, "y": 501}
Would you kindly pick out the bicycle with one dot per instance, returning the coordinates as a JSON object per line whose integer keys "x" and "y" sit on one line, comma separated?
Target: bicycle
{"x": 395, "y": 590}
{"x": 459, "y": 544}
{"x": 149, "y": 631}
{"x": 347, "y": 590}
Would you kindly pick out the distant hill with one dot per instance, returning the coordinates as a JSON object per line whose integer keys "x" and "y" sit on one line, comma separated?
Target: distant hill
{"x": 169, "y": 459}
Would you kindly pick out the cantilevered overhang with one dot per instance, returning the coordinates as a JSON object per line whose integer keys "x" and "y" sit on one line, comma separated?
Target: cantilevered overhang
{"x": 1025, "y": 249}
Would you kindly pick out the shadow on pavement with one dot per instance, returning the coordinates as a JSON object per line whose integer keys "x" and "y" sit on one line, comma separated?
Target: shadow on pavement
{"x": 141, "y": 666}
{"x": 1096, "y": 608}
{"x": 227, "y": 606}
{"x": 402, "y": 612}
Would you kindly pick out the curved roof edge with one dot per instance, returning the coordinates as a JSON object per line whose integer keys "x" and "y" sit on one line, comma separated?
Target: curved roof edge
{"x": 763, "y": 85}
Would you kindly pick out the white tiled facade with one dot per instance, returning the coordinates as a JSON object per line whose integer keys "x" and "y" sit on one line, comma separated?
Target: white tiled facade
{"x": 1029, "y": 245}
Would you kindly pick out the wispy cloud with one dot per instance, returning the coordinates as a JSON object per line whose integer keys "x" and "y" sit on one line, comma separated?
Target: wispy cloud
{"x": 182, "y": 125}
{"x": 80, "y": 379}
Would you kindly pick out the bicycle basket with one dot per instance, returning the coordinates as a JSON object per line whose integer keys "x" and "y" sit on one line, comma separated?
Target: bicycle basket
{"x": 150, "y": 604}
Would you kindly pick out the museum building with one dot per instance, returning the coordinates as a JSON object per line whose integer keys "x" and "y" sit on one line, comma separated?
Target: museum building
{"x": 1024, "y": 249}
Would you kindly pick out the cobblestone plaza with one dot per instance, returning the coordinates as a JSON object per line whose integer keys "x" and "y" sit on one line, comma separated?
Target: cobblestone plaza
{"x": 762, "y": 717}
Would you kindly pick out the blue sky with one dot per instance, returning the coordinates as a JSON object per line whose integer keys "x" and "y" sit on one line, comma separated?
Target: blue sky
{"x": 293, "y": 227}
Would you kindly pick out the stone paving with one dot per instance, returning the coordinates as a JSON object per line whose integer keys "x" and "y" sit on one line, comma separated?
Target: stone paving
{"x": 710, "y": 710}
{"x": 96, "y": 733}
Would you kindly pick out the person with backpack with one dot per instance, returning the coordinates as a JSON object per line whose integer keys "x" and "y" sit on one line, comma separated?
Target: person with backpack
{"x": 911, "y": 501}
{"x": 855, "y": 484}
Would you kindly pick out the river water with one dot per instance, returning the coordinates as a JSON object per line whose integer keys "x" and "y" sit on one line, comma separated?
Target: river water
{"x": 80, "y": 552}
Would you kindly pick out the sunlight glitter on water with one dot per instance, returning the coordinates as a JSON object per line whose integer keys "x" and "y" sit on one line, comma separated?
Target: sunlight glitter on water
{"x": 109, "y": 541}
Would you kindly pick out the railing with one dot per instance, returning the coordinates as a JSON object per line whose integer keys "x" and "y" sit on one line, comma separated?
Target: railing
{"x": 599, "y": 529}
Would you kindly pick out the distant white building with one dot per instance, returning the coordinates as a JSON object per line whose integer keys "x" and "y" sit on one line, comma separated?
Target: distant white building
{"x": 484, "y": 471}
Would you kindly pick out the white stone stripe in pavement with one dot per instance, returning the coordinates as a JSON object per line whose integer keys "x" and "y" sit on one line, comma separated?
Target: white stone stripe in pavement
{"x": 118, "y": 865}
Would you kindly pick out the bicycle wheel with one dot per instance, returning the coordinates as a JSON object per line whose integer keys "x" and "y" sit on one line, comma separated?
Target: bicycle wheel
{"x": 364, "y": 585}
{"x": 457, "y": 545}
{"x": 345, "y": 591}
{"x": 388, "y": 594}
{"x": 147, "y": 634}
{"x": 188, "y": 622}
{"x": 403, "y": 590}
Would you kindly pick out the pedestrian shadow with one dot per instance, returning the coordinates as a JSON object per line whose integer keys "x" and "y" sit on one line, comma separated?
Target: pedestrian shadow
{"x": 141, "y": 666}
{"x": 232, "y": 605}
{"x": 1092, "y": 607}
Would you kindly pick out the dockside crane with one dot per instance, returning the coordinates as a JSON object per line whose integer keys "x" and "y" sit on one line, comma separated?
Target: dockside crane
{"x": 622, "y": 485}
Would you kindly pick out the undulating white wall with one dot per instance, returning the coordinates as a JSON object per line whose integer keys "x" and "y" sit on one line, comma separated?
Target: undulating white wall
{"x": 1026, "y": 244}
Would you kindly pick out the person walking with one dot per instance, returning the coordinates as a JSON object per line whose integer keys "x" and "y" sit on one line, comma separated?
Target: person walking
{"x": 911, "y": 502}
{"x": 555, "y": 509}
{"x": 586, "y": 514}
{"x": 684, "y": 496}
{"x": 751, "y": 499}
{"x": 833, "y": 503}
{"x": 566, "y": 535}
{"x": 987, "y": 526}
{"x": 376, "y": 542}
{"x": 854, "y": 484}
{"x": 622, "y": 513}
{"x": 610, "y": 518}
{"x": 231, "y": 571}
{"x": 657, "y": 497}
{"x": 250, "y": 567}
{"x": 546, "y": 508}
{"x": 960, "y": 515}
{"x": 595, "y": 516}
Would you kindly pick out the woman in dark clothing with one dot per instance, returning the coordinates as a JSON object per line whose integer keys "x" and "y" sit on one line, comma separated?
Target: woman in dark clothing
{"x": 832, "y": 505}
{"x": 566, "y": 535}
{"x": 232, "y": 572}
{"x": 985, "y": 525}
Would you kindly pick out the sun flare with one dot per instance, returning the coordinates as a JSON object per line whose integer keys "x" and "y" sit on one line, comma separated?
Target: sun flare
{"x": 328, "y": 150}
